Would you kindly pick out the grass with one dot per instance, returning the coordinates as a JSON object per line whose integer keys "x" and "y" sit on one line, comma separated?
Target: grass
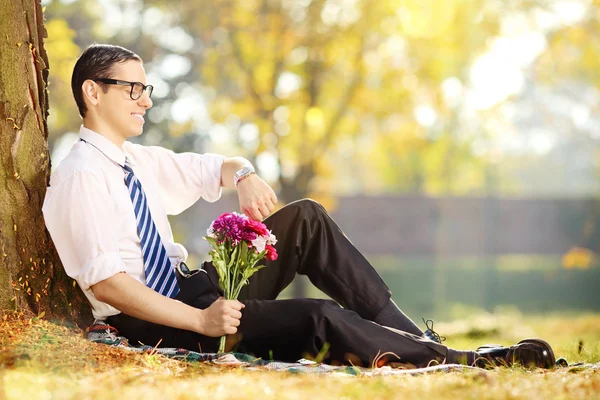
{"x": 42, "y": 360}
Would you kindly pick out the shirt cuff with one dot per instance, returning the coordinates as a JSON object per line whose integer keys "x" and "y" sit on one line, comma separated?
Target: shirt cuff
{"x": 184, "y": 252}
{"x": 100, "y": 268}
{"x": 211, "y": 176}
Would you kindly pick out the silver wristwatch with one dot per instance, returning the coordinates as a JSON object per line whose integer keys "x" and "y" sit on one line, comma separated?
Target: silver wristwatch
{"x": 242, "y": 174}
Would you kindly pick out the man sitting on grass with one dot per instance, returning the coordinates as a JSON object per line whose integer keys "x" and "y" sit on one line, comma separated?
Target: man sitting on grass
{"x": 106, "y": 209}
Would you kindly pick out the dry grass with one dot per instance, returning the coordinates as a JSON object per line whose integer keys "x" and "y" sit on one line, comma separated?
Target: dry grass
{"x": 41, "y": 360}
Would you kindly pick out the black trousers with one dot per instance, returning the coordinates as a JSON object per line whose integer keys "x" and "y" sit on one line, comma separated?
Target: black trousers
{"x": 309, "y": 243}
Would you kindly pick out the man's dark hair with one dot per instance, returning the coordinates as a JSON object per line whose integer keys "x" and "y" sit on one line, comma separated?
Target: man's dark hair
{"x": 97, "y": 61}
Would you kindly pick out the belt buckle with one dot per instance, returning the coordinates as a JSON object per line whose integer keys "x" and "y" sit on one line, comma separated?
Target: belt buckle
{"x": 184, "y": 271}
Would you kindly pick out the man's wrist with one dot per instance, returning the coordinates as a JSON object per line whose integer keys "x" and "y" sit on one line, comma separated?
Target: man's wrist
{"x": 245, "y": 178}
{"x": 198, "y": 321}
{"x": 242, "y": 174}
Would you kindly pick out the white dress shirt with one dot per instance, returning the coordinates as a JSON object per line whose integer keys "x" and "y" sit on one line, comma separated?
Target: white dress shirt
{"x": 90, "y": 216}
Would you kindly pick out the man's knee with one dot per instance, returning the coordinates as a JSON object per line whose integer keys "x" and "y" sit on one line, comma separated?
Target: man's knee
{"x": 299, "y": 209}
{"x": 307, "y": 206}
{"x": 322, "y": 309}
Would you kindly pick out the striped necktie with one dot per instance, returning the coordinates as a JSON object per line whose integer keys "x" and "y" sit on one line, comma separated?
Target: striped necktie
{"x": 160, "y": 275}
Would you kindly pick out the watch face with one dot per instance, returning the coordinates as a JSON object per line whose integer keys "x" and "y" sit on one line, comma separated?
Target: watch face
{"x": 240, "y": 173}
{"x": 243, "y": 171}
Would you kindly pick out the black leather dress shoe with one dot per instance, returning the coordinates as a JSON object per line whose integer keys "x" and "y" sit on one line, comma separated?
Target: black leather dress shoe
{"x": 528, "y": 353}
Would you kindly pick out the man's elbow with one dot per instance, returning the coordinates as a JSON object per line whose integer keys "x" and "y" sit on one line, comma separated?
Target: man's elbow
{"x": 104, "y": 290}
{"x": 99, "y": 292}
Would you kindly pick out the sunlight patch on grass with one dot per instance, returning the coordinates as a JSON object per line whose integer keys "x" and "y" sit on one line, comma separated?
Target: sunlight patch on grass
{"x": 240, "y": 384}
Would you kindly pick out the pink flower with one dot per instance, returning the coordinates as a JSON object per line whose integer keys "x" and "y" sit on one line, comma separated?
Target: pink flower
{"x": 248, "y": 236}
{"x": 271, "y": 254}
{"x": 230, "y": 226}
{"x": 230, "y": 229}
{"x": 257, "y": 227}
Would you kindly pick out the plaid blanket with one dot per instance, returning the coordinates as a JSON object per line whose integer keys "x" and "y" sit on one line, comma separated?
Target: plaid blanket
{"x": 101, "y": 332}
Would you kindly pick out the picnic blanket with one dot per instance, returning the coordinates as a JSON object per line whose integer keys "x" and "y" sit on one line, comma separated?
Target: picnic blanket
{"x": 101, "y": 332}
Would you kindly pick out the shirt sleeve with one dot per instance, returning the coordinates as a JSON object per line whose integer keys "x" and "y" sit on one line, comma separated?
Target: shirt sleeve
{"x": 80, "y": 216}
{"x": 184, "y": 177}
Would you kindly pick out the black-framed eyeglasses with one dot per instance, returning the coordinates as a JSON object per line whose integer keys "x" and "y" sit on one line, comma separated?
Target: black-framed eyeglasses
{"x": 137, "y": 88}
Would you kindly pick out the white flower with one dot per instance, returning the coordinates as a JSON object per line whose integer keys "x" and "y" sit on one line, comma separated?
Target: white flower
{"x": 260, "y": 243}
{"x": 240, "y": 215}
{"x": 210, "y": 232}
{"x": 272, "y": 240}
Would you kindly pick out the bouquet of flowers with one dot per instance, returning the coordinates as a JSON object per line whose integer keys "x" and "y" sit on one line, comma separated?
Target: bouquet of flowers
{"x": 238, "y": 244}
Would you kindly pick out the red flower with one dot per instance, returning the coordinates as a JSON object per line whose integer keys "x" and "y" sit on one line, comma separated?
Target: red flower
{"x": 257, "y": 227}
{"x": 271, "y": 254}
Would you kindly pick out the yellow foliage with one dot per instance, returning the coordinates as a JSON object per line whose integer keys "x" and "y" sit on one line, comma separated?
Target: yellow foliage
{"x": 245, "y": 109}
{"x": 428, "y": 18}
{"x": 329, "y": 202}
{"x": 245, "y": 15}
{"x": 352, "y": 77}
{"x": 221, "y": 107}
{"x": 62, "y": 51}
{"x": 263, "y": 75}
{"x": 62, "y": 54}
{"x": 324, "y": 168}
{"x": 578, "y": 257}
{"x": 177, "y": 130}
{"x": 315, "y": 119}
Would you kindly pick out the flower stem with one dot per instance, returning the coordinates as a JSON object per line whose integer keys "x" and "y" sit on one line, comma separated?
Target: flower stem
{"x": 222, "y": 345}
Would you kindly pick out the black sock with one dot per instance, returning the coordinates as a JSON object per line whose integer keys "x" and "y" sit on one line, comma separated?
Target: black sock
{"x": 463, "y": 357}
{"x": 390, "y": 315}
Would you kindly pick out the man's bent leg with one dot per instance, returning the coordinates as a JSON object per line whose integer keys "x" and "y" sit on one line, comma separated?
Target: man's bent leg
{"x": 288, "y": 330}
{"x": 311, "y": 243}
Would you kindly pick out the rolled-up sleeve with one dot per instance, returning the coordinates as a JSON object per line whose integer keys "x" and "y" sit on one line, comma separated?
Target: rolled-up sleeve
{"x": 185, "y": 177}
{"x": 81, "y": 220}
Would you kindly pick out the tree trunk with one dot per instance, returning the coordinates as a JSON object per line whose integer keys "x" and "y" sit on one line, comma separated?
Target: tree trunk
{"x": 31, "y": 275}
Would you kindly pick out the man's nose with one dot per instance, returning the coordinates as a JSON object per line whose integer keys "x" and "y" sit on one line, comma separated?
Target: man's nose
{"x": 145, "y": 100}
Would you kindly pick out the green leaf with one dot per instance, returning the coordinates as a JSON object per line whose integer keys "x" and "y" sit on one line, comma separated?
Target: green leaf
{"x": 221, "y": 268}
{"x": 233, "y": 257}
{"x": 211, "y": 241}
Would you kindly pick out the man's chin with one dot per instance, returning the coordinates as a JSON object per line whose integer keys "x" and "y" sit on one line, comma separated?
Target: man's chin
{"x": 136, "y": 132}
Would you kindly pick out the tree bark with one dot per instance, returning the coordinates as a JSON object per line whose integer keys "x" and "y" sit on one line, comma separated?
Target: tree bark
{"x": 31, "y": 275}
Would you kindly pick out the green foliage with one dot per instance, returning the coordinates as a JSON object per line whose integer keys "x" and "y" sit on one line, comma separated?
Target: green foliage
{"x": 528, "y": 283}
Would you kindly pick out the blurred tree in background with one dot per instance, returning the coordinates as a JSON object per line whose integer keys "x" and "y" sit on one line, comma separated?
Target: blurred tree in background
{"x": 347, "y": 96}
{"x": 309, "y": 85}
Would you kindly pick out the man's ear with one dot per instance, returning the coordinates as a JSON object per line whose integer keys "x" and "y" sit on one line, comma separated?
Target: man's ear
{"x": 90, "y": 91}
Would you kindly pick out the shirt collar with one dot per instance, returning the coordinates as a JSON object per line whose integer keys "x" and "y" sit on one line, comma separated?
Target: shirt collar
{"x": 108, "y": 148}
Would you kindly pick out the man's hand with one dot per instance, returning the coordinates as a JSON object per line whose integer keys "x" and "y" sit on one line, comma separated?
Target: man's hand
{"x": 221, "y": 318}
{"x": 257, "y": 198}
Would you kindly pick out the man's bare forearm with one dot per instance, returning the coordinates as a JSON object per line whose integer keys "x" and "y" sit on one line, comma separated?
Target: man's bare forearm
{"x": 134, "y": 298}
